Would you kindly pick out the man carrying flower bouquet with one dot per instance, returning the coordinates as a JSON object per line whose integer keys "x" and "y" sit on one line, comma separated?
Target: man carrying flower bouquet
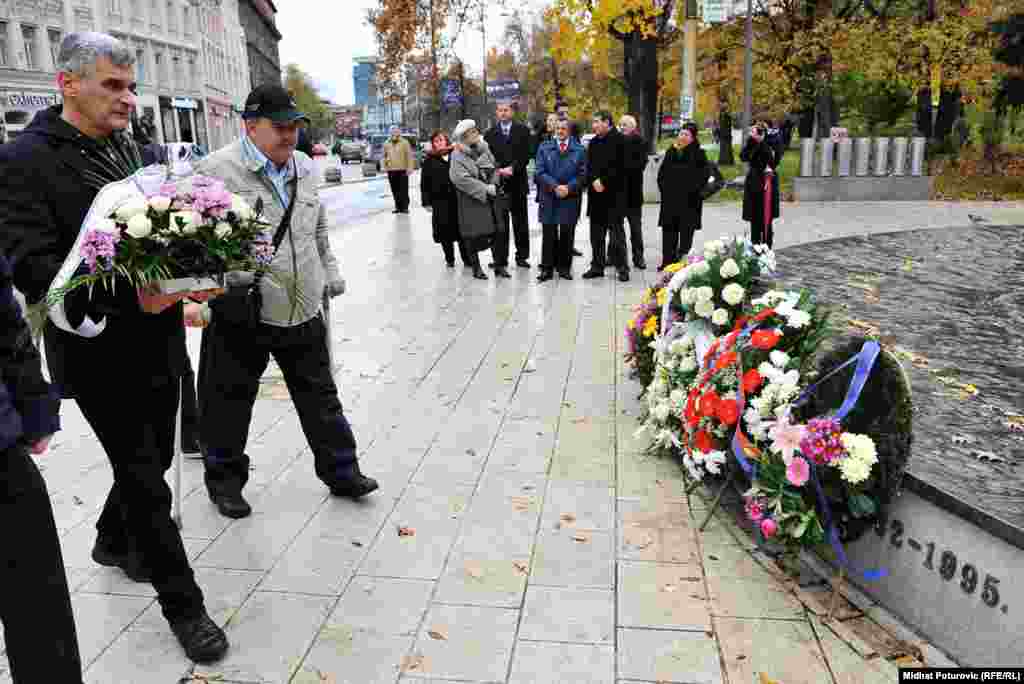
{"x": 264, "y": 169}
{"x": 125, "y": 379}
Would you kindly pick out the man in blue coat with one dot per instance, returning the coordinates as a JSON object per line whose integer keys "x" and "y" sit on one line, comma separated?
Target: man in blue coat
{"x": 561, "y": 169}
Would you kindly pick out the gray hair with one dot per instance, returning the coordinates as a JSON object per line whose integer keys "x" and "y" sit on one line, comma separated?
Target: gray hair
{"x": 80, "y": 51}
{"x": 628, "y": 120}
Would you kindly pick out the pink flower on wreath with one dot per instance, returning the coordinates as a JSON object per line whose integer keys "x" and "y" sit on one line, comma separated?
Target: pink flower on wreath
{"x": 754, "y": 509}
{"x": 786, "y": 438}
{"x": 694, "y": 258}
{"x": 769, "y": 528}
{"x": 798, "y": 471}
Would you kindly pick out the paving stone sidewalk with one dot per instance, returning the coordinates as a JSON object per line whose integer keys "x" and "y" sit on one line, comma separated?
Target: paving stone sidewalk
{"x": 520, "y": 534}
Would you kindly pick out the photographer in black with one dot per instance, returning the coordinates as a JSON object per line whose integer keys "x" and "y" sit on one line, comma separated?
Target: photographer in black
{"x": 761, "y": 187}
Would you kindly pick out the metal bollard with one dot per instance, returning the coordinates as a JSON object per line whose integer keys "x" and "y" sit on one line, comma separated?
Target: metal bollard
{"x": 862, "y": 155}
{"x": 917, "y": 148}
{"x": 899, "y": 156}
{"x": 845, "y": 156}
{"x": 807, "y": 157}
{"x": 881, "y": 156}
{"x": 827, "y": 156}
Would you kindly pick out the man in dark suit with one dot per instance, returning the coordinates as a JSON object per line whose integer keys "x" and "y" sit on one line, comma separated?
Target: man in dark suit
{"x": 606, "y": 198}
{"x": 509, "y": 142}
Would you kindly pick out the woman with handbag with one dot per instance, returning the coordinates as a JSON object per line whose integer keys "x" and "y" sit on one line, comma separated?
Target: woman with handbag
{"x": 682, "y": 179}
{"x": 761, "y": 188}
{"x": 440, "y": 199}
{"x": 472, "y": 174}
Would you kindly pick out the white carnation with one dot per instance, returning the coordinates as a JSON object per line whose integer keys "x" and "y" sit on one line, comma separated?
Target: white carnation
{"x": 106, "y": 226}
{"x": 132, "y": 208}
{"x": 798, "y": 319}
{"x": 720, "y": 317}
{"x": 705, "y": 293}
{"x": 661, "y": 412}
{"x": 688, "y": 364}
{"x": 860, "y": 447}
{"x": 700, "y": 268}
{"x": 733, "y": 292}
{"x": 139, "y": 226}
{"x": 713, "y": 461}
{"x": 704, "y": 308}
{"x": 854, "y": 470}
{"x": 160, "y": 203}
{"x": 729, "y": 269}
{"x": 223, "y": 229}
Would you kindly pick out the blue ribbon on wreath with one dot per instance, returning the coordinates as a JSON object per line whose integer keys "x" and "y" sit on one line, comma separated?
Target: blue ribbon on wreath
{"x": 865, "y": 360}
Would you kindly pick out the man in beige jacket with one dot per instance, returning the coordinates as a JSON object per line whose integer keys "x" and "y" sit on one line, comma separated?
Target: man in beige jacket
{"x": 398, "y": 162}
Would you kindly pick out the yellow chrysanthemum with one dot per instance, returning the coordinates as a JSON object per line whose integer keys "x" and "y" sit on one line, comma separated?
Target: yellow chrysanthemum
{"x": 651, "y": 326}
{"x": 662, "y": 296}
{"x": 674, "y": 268}
{"x": 632, "y": 324}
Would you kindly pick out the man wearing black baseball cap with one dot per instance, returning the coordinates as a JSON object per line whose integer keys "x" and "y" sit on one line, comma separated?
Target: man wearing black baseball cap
{"x": 265, "y": 167}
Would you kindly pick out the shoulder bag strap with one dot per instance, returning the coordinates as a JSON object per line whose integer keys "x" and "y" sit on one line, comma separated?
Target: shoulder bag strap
{"x": 286, "y": 220}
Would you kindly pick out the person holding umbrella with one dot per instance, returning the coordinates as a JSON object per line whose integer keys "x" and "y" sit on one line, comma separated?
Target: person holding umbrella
{"x": 761, "y": 187}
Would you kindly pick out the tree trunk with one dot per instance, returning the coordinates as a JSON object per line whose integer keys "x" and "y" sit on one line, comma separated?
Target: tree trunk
{"x": 725, "y": 156}
{"x": 923, "y": 117}
{"x": 949, "y": 112}
{"x": 641, "y": 73}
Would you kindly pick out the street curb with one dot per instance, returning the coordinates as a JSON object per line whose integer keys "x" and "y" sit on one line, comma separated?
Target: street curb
{"x": 357, "y": 181}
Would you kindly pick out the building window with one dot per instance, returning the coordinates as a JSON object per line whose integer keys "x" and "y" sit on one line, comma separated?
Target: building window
{"x": 4, "y": 59}
{"x": 28, "y": 35}
{"x": 172, "y": 24}
{"x": 55, "y": 38}
{"x": 158, "y": 68}
{"x": 140, "y": 65}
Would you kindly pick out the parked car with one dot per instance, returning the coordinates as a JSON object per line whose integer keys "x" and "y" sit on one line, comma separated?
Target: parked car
{"x": 350, "y": 150}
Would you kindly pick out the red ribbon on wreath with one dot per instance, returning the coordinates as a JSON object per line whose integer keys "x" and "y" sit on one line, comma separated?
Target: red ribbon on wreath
{"x": 768, "y": 176}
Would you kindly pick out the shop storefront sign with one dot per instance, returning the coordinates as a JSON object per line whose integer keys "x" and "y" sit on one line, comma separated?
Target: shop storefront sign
{"x": 29, "y": 101}
{"x": 185, "y": 103}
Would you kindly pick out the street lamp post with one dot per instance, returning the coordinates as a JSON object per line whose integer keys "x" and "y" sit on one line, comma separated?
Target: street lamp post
{"x": 748, "y": 74}
{"x": 483, "y": 35}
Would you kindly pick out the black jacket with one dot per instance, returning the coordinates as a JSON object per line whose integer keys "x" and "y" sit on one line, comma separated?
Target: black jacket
{"x": 760, "y": 156}
{"x": 513, "y": 151}
{"x": 44, "y": 201}
{"x": 438, "y": 192}
{"x": 28, "y": 405}
{"x": 681, "y": 177}
{"x": 635, "y": 162}
{"x": 606, "y": 161}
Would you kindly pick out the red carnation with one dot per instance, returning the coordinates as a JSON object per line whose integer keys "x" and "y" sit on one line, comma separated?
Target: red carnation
{"x": 764, "y": 314}
{"x": 728, "y": 411}
{"x": 764, "y": 339}
{"x": 708, "y": 404}
{"x": 752, "y": 381}
{"x": 703, "y": 441}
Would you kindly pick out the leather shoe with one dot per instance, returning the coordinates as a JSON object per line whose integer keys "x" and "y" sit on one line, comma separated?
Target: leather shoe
{"x": 232, "y": 505}
{"x": 522, "y": 263}
{"x": 129, "y": 562}
{"x": 565, "y": 275}
{"x": 593, "y": 273}
{"x": 502, "y": 272}
{"x": 355, "y": 486}
{"x": 640, "y": 265}
{"x": 545, "y": 276}
{"x": 479, "y": 274}
{"x": 623, "y": 275}
{"x": 204, "y": 642}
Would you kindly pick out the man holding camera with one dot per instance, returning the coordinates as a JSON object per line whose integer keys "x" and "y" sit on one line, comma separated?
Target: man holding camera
{"x": 761, "y": 187}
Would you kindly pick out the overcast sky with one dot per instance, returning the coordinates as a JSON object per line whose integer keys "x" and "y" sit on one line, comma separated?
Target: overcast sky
{"x": 322, "y": 37}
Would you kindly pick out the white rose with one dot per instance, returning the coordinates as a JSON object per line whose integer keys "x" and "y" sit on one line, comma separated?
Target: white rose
{"x": 139, "y": 226}
{"x": 187, "y": 219}
{"x": 106, "y": 226}
{"x": 241, "y": 208}
{"x": 729, "y": 269}
{"x": 733, "y": 292}
{"x": 705, "y": 293}
{"x": 700, "y": 268}
{"x": 798, "y": 319}
{"x": 223, "y": 229}
{"x": 768, "y": 370}
{"x": 705, "y": 308}
{"x": 661, "y": 412}
{"x": 132, "y": 208}
{"x": 720, "y": 317}
{"x": 160, "y": 203}
{"x": 779, "y": 358}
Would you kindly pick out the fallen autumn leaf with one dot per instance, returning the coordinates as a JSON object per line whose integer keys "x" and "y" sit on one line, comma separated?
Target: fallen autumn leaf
{"x": 406, "y": 532}
{"x": 438, "y": 634}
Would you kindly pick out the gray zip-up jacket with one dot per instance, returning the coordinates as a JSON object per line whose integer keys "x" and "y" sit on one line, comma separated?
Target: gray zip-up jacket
{"x": 304, "y": 260}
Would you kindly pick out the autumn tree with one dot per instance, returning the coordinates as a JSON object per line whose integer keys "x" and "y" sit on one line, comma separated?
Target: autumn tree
{"x": 643, "y": 28}
{"x": 309, "y": 100}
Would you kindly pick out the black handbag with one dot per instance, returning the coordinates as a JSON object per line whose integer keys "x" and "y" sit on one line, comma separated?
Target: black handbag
{"x": 240, "y": 305}
{"x": 715, "y": 182}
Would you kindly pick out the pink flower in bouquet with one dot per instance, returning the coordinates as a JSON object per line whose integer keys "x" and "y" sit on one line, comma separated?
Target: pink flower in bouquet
{"x": 754, "y": 510}
{"x": 786, "y": 437}
{"x": 694, "y": 258}
{"x": 822, "y": 442}
{"x": 798, "y": 471}
{"x": 98, "y": 250}
{"x": 769, "y": 528}
{"x": 212, "y": 200}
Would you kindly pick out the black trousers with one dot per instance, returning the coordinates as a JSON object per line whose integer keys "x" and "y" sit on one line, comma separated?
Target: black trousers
{"x": 138, "y": 435}
{"x": 449, "y": 251}
{"x": 236, "y": 359}
{"x": 399, "y": 181}
{"x": 760, "y": 233}
{"x": 636, "y": 234}
{"x": 515, "y": 205}
{"x": 676, "y": 243}
{"x": 556, "y": 247}
{"x": 499, "y": 251}
{"x": 615, "y": 233}
{"x": 35, "y": 607}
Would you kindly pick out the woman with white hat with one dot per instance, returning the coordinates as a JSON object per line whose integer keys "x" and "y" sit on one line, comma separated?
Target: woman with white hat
{"x": 472, "y": 173}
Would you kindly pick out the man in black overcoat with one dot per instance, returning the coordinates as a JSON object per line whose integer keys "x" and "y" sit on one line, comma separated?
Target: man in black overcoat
{"x": 509, "y": 142}
{"x": 606, "y": 185}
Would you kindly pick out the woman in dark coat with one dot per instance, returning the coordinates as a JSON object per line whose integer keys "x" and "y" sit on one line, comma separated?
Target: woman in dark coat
{"x": 762, "y": 159}
{"x": 681, "y": 178}
{"x": 439, "y": 198}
